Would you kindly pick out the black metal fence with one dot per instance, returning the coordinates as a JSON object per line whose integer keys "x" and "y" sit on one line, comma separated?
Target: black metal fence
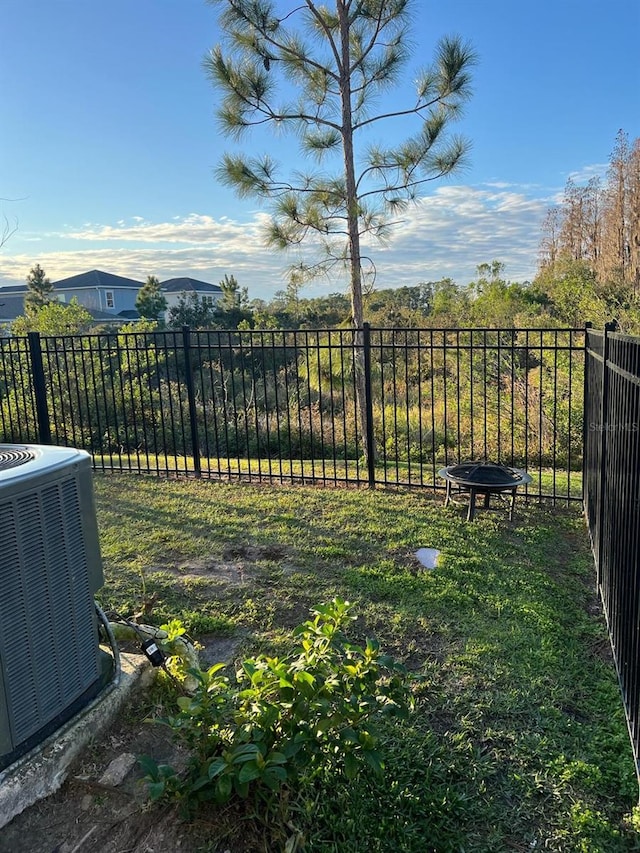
{"x": 282, "y": 405}
{"x": 612, "y": 499}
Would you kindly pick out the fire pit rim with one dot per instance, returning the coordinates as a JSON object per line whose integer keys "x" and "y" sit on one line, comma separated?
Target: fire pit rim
{"x": 522, "y": 477}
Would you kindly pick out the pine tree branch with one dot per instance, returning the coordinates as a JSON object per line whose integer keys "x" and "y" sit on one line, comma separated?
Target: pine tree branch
{"x": 330, "y": 39}
{"x": 404, "y": 186}
{"x": 417, "y": 110}
{"x": 372, "y": 42}
{"x": 279, "y": 44}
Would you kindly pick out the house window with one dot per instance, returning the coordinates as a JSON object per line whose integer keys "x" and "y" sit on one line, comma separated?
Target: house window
{"x": 207, "y": 300}
{"x": 110, "y": 301}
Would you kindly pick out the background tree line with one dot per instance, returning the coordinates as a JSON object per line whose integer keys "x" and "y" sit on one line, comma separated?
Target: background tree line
{"x": 590, "y": 245}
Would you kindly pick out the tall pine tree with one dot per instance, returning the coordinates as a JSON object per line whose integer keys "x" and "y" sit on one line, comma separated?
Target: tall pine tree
{"x": 40, "y": 290}
{"x": 333, "y": 63}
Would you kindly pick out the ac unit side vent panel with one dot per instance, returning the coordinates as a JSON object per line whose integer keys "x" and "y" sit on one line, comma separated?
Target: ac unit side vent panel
{"x": 48, "y": 634}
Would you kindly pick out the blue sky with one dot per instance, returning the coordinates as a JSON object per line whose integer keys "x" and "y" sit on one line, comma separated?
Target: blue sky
{"x": 108, "y": 139}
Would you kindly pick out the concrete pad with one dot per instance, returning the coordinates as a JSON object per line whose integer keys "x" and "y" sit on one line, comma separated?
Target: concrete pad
{"x": 43, "y": 770}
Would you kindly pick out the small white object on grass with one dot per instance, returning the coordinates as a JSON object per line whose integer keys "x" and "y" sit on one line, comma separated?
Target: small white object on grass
{"x": 428, "y": 557}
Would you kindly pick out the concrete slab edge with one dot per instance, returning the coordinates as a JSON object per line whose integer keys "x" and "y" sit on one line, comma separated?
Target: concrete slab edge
{"x": 43, "y": 770}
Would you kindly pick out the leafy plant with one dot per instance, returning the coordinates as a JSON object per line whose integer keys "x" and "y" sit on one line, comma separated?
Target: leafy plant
{"x": 282, "y": 717}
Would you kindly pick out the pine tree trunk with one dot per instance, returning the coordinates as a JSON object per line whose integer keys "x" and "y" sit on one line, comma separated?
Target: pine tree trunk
{"x": 353, "y": 230}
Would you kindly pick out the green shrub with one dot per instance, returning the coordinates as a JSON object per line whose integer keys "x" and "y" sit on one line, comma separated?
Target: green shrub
{"x": 283, "y": 717}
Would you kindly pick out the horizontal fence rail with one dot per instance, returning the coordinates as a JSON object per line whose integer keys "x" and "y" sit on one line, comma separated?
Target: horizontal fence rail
{"x": 612, "y": 500}
{"x": 284, "y": 405}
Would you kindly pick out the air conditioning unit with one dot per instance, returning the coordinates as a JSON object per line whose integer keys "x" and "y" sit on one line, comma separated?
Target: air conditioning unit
{"x": 50, "y": 568}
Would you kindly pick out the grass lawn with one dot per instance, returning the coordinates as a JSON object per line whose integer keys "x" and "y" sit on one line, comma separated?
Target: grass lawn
{"x": 546, "y": 481}
{"x": 518, "y": 741}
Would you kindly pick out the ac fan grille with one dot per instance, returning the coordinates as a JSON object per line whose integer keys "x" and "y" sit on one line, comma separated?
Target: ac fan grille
{"x": 15, "y": 457}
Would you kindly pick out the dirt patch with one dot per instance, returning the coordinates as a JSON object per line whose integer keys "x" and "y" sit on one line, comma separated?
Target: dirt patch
{"x": 253, "y": 553}
{"x": 235, "y": 574}
{"x": 88, "y": 815}
{"x": 216, "y": 649}
{"x": 234, "y": 569}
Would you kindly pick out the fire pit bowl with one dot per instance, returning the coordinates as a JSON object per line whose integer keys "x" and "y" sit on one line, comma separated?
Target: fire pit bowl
{"x": 483, "y": 478}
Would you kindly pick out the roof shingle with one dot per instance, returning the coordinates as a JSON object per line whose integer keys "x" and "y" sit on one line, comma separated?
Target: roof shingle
{"x": 96, "y": 278}
{"x": 178, "y": 285}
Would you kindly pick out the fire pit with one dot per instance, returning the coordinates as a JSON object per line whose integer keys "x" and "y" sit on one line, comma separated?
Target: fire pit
{"x": 483, "y": 478}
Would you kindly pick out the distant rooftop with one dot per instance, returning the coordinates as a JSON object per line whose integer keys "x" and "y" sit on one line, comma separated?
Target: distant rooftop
{"x": 109, "y": 281}
{"x": 93, "y": 278}
{"x": 96, "y": 278}
{"x": 11, "y": 306}
{"x": 178, "y": 285}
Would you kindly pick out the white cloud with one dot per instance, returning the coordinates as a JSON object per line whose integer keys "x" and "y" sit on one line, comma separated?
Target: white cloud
{"x": 457, "y": 228}
{"x": 447, "y": 233}
{"x": 193, "y": 229}
{"x": 595, "y": 170}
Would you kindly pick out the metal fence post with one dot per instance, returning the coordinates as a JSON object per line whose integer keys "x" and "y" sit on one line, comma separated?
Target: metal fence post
{"x": 604, "y": 433}
{"x": 586, "y": 407}
{"x": 191, "y": 397}
{"x": 369, "y": 437}
{"x": 39, "y": 388}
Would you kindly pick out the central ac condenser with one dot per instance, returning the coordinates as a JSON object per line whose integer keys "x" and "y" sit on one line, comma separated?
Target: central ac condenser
{"x": 50, "y": 569}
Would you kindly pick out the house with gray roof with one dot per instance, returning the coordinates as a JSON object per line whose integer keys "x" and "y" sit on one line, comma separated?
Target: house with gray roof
{"x": 107, "y": 297}
{"x": 11, "y": 306}
{"x": 174, "y": 288}
{"x": 103, "y": 294}
{"x": 100, "y": 291}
